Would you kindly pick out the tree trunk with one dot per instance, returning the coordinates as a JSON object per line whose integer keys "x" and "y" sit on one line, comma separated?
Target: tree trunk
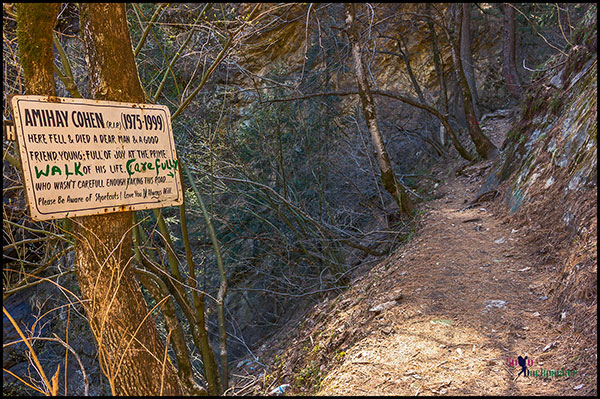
{"x": 439, "y": 70}
{"x": 113, "y": 300}
{"x": 485, "y": 148}
{"x": 509, "y": 68}
{"x": 35, "y": 23}
{"x": 405, "y": 55}
{"x": 159, "y": 292}
{"x": 199, "y": 334}
{"x": 466, "y": 56}
{"x": 437, "y": 61}
{"x": 388, "y": 178}
{"x": 130, "y": 350}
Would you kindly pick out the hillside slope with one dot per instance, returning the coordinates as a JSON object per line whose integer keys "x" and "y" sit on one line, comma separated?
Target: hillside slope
{"x": 478, "y": 286}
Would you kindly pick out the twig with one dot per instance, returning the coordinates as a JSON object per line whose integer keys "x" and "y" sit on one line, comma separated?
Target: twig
{"x": 409, "y": 190}
{"x": 542, "y": 70}
{"x": 164, "y": 363}
{"x": 560, "y": 24}
{"x": 299, "y": 212}
{"x": 133, "y": 336}
{"x": 67, "y": 76}
{"x": 37, "y": 231}
{"x": 185, "y": 43}
{"x": 24, "y": 382}
{"x": 415, "y": 103}
{"x": 67, "y": 339}
{"x": 29, "y": 241}
{"x": 7, "y": 293}
{"x": 86, "y": 384}
{"x": 373, "y": 174}
{"x": 148, "y": 27}
{"x": 305, "y": 46}
{"x": 26, "y": 341}
{"x": 534, "y": 28}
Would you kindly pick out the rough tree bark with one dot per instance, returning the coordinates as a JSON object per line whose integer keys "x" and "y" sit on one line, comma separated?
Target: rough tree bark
{"x": 509, "y": 68}
{"x": 35, "y": 23}
{"x": 485, "y": 148}
{"x": 388, "y": 177}
{"x": 131, "y": 352}
{"x": 466, "y": 57}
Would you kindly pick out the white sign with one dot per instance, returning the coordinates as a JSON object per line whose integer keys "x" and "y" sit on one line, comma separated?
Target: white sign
{"x": 85, "y": 157}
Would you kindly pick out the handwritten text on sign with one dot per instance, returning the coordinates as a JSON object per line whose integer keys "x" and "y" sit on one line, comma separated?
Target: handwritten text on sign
{"x": 84, "y": 157}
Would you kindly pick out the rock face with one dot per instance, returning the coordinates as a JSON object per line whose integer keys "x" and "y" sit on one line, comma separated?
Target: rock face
{"x": 549, "y": 146}
{"x": 548, "y": 175}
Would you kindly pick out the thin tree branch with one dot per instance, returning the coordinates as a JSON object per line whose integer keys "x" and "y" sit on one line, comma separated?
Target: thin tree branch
{"x": 176, "y": 57}
{"x": 536, "y": 31}
{"x": 148, "y": 27}
{"x": 213, "y": 66}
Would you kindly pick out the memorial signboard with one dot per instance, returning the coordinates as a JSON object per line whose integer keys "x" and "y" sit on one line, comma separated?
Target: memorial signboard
{"x": 84, "y": 157}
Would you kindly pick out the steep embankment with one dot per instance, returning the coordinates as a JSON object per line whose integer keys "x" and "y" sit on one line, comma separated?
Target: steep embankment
{"x": 478, "y": 285}
{"x": 549, "y": 183}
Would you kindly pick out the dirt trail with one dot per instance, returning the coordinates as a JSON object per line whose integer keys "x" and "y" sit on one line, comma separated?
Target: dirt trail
{"x": 470, "y": 300}
{"x": 472, "y": 295}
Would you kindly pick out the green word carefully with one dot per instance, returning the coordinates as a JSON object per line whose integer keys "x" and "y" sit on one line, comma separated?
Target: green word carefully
{"x": 139, "y": 167}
